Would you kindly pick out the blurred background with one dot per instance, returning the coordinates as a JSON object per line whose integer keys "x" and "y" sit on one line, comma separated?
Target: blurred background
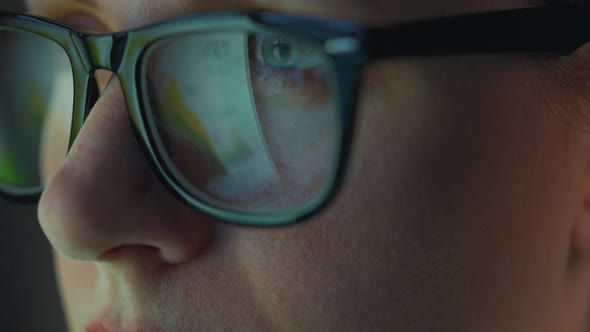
{"x": 29, "y": 300}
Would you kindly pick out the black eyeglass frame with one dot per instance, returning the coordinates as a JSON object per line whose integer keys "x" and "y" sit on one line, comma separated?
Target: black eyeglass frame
{"x": 556, "y": 30}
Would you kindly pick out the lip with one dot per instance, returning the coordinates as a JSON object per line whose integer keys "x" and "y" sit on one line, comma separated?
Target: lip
{"x": 97, "y": 327}
{"x": 105, "y": 327}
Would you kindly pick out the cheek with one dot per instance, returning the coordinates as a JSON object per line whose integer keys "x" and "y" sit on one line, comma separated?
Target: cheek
{"x": 482, "y": 181}
{"x": 452, "y": 212}
{"x": 79, "y": 285}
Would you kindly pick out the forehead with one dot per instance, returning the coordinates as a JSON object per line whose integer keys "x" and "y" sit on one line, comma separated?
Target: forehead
{"x": 139, "y": 12}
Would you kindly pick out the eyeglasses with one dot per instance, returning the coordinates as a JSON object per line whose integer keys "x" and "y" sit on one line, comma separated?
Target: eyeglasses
{"x": 245, "y": 117}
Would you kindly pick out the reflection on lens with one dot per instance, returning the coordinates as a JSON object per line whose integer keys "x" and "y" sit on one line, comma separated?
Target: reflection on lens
{"x": 36, "y": 98}
{"x": 247, "y": 120}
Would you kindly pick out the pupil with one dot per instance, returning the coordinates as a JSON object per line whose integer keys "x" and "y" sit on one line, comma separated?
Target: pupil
{"x": 281, "y": 49}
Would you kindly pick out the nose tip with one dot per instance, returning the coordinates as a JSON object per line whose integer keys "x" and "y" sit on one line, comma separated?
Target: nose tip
{"x": 103, "y": 199}
{"x": 86, "y": 227}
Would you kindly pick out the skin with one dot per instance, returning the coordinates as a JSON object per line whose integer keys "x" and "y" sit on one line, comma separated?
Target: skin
{"x": 466, "y": 207}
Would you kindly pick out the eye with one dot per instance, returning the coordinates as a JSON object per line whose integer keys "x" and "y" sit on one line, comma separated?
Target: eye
{"x": 289, "y": 52}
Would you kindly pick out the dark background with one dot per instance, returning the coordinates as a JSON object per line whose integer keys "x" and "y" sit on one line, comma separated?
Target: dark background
{"x": 29, "y": 301}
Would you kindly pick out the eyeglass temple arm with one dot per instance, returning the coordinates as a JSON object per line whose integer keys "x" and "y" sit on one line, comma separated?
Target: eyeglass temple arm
{"x": 558, "y": 30}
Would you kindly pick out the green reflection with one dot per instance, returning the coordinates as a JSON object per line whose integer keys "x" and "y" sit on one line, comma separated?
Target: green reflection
{"x": 10, "y": 172}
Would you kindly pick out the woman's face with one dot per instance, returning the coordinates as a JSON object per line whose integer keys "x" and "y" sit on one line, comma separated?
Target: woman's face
{"x": 464, "y": 208}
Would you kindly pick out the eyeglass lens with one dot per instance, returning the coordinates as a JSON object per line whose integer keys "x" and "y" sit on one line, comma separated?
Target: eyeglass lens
{"x": 247, "y": 120}
{"x": 36, "y": 100}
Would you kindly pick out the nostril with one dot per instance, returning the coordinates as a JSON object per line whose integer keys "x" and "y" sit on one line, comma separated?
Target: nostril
{"x": 145, "y": 255}
{"x": 118, "y": 253}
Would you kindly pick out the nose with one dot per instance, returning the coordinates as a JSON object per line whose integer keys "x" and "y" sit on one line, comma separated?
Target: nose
{"x": 104, "y": 199}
